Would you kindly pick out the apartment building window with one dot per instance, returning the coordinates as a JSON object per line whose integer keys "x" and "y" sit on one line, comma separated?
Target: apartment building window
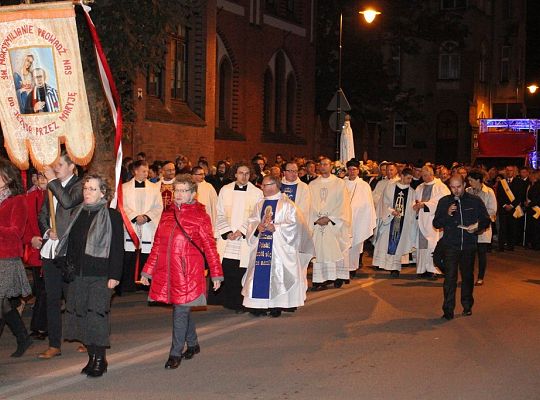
{"x": 291, "y": 103}
{"x": 154, "y": 82}
{"x": 395, "y": 61}
{"x": 507, "y": 8}
{"x": 179, "y": 59}
{"x": 449, "y": 61}
{"x": 483, "y": 64}
{"x": 290, "y": 6}
{"x": 225, "y": 93}
{"x": 505, "y": 63}
{"x": 400, "y": 133}
{"x": 453, "y": 4}
{"x": 279, "y": 92}
{"x": 271, "y": 6}
{"x": 268, "y": 101}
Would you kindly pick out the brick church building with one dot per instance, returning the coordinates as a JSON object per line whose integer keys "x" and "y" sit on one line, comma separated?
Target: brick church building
{"x": 239, "y": 78}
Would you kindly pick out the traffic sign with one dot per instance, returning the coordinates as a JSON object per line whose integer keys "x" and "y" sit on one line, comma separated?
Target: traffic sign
{"x": 343, "y": 103}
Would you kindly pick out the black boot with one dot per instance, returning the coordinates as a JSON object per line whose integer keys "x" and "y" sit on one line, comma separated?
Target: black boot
{"x": 16, "y": 324}
{"x": 100, "y": 363}
{"x": 91, "y": 359}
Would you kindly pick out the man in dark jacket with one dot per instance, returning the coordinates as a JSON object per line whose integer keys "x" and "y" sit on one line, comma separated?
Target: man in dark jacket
{"x": 510, "y": 197}
{"x": 462, "y": 216}
{"x": 67, "y": 194}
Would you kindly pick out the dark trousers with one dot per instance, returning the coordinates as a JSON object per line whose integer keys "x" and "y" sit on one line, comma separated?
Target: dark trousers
{"x": 55, "y": 287}
{"x": 229, "y": 294}
{"x": 127, "y": 283}
{"x": 507, "y": 230}
{"x": 39, "y": 310}
{"x": 482, "y": 250}
{"x": 464, "y": 260}
{"x": 183, "y": 330}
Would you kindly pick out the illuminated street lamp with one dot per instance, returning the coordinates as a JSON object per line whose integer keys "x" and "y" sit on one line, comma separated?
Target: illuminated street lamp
{"x": 369, "y": 16}
{"x": 532, "y": 88}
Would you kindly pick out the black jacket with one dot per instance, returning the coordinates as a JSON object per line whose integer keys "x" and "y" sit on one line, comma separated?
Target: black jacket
{"x": 518, "y": 187}
{"x": 86, "y": 265}
{"x": 471, "y": 209}
{"x": 68, "y": 198}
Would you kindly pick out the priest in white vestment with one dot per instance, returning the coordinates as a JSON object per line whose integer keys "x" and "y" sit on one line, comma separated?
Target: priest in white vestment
{"x": 236, "y": 202}
{"x": 281, "y": 247}
{"x": 206, "y": 194}
{"x": 428, "y": 194}
{"x": 143, "y": 207}
{"x": 363, "y": 214}
{"x": 295, "y": 189}
{"x": 396, "y": 227}
{"x": 391, "y": 176}
{"x": 330, "y": 219}
{"x": 168, "y": 172}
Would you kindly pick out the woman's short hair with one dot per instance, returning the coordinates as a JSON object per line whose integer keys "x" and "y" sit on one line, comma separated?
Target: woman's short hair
{"x": 12, "y": 176}
{"x": 185, "y": 179}
{"x": 104, "y": 185}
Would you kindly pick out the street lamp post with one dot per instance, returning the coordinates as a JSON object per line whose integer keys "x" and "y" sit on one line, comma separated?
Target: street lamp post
{"x": 369, "y": 16}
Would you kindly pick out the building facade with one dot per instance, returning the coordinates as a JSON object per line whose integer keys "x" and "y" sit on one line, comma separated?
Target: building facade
{"x": 238, "y": 79}
{"x": 460, "y": 81}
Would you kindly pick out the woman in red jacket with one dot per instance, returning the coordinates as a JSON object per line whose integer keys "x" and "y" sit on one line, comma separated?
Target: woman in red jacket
{"x": 176, "y": 265}
{"x": 13, "y": 281}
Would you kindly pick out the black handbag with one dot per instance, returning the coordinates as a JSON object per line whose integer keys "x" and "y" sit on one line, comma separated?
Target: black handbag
{"x": 191, "y": 241}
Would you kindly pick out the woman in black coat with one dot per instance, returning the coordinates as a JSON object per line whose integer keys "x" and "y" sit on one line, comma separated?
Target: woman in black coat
{"x": 93, "y": 246}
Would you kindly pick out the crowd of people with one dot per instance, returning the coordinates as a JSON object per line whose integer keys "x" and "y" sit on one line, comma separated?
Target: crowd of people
{"x": 255, "y": 228}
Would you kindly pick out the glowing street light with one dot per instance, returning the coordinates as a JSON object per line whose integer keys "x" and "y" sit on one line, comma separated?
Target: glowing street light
{"x": 369, "y": 15}
{"x": 532, "y": 88}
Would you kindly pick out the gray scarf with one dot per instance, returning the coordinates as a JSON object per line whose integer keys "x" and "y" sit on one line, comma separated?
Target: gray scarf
{"x": 98, "y": 241}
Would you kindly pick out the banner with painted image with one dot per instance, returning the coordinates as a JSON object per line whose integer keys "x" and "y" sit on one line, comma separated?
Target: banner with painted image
{"x": 42, "y": 94}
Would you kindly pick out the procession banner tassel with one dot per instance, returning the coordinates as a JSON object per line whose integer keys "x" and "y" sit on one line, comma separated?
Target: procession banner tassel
{"x": 113, "y": 98}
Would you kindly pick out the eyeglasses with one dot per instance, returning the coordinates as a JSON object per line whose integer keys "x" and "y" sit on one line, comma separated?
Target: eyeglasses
{"x": 291, "y": 170}
{"x": 90, "y": 189}
{"x": 268, "y": 184}
{"x": 182, "y": 190}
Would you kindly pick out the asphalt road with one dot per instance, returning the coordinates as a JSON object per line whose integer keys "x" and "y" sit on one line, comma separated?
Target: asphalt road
{"x": 376, "y": 338}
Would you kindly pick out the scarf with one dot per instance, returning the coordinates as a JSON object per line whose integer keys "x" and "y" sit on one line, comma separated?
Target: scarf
{"x": 98, "y": 241}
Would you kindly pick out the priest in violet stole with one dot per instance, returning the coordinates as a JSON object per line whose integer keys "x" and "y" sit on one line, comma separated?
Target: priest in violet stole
{"x": 396, "y": 230}
{"x": 281, "y": 247}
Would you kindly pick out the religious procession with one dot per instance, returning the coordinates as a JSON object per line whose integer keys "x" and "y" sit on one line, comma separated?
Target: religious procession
{"x": 251, "y": 236}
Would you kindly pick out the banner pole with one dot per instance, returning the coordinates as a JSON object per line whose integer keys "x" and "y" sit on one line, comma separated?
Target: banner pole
{"x": 52, "y": 211}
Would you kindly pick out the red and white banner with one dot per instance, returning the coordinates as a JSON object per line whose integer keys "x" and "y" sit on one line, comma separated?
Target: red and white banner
{"x": 113, "y": 99}
{"x": 42, "y": 95}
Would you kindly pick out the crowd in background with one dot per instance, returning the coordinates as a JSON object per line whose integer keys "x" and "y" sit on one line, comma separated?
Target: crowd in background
{"x": 371, "y": 171}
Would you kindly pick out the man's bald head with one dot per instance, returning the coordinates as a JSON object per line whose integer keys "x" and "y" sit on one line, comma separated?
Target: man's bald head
{"x": 457, "y": 185}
